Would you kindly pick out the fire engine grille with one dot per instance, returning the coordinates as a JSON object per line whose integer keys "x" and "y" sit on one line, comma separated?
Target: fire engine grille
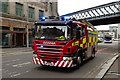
{"x": 48, "y": 57}
{"x": 50, "y": 48}
{"x": 50, "y": 52}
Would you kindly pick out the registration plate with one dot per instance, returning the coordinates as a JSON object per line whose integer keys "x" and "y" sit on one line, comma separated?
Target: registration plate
{"x": 49, "y": 63}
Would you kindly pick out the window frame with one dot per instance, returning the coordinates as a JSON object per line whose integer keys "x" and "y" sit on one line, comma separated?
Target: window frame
{"x": 4, "y": 7}
{"x": 31, "y": 12}
{"x": 41, "y": 11}
{"x": 19, "y": 9}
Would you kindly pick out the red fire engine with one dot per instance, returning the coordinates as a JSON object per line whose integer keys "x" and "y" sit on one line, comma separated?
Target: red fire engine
{"x": 63, "y": 43}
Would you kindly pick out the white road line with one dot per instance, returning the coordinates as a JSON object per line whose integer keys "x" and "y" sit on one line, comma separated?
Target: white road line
{"x": 105, "y": 67}
{"x": 21, "y": 64}
{"x": 15, "y": 75}
{"x": 11, "y": 61}
{"x": 12, "y": 73}
{"x": 101, "y": 50}
{"x": 7, "y": 64}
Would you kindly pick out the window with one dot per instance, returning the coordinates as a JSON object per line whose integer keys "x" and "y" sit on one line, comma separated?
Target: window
{"x": 4, "y": 7}
{"x": 19, "y": 9}
{"x": 83, "y": 31}
{"x": 41, "y": 13}
{"x": 51, "y": 8}
{"x": 5, "y": 39}
{"x": 31, "y": 13}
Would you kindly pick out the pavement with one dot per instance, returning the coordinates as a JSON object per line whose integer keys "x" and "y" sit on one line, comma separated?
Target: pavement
{"x": 19, "y": 50}
{"x": 113, "y": 73}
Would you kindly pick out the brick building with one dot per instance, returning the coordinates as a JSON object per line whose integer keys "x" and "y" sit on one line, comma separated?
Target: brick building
{"x": 17, "y": 19}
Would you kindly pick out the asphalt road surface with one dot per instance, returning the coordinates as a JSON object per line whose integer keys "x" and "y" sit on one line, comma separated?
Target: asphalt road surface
{"x": 19, "y": 65}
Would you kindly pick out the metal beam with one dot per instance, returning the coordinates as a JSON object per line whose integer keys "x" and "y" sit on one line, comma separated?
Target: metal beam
{"x": 108, "y": 11}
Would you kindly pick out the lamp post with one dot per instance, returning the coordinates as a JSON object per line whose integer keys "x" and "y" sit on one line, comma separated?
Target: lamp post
{"x": 27, "y": 35}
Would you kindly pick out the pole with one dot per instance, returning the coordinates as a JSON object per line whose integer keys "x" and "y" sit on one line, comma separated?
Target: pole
{"x": 27, "y": 35}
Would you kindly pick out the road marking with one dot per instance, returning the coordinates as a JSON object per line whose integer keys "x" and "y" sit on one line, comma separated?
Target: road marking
{"x": 105, "y": 67}
{"x": 12, "y": 73}
{"x": 11, "y": 61}
{"x": 21, "y": 64}
{"x": 90, "y": 73}
{"x": 15, "y": 75}
{"x": 15, "y": 53}
{"x": 27, "y": 71}
{"x": 7, "y": 64}
{"x": 101, "y": 50}
{"x": 113, "y": 72}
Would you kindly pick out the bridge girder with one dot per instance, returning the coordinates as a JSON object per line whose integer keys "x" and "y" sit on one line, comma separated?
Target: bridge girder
{"x": 99, "y": 15}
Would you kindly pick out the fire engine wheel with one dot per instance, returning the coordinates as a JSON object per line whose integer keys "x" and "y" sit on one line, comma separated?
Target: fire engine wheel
{"x": 79, "y": 60}
{"x": 93, "y": 53}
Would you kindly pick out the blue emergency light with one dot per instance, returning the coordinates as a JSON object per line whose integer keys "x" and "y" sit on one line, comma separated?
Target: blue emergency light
{"x": 43, "y": 18}
{"x": 41, "y": 46}
{"x": 65, "y": 18}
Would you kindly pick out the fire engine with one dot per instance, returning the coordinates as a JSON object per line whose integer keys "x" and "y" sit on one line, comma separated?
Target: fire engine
{"x": 63, "y": 43}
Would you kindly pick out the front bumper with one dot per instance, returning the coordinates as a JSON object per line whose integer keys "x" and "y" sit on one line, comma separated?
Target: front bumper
{"x": 62, "y": 63}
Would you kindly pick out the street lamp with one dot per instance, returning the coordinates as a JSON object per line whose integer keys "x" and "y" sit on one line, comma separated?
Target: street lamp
{"x": 27, "y": 35}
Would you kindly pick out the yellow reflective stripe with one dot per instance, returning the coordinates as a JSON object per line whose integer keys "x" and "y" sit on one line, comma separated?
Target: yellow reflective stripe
{"x": 92, "y": 32}
{"x": 92, "y": 44}
{"x": 96, "y": 39}
{"x": 81, "y": 45}
{"x": 90, "y": 39}
{"x": 93, "y": 39}
{"x": 75, "y": 43}
{"x": 84, "y": 40}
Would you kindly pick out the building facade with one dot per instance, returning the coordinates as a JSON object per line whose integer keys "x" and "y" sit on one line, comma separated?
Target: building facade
{"x": 17, "y": 20}
{"x": 115, "y": 30}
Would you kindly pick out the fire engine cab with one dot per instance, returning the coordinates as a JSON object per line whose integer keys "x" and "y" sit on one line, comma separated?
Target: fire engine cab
{"x": 63, "y": 43}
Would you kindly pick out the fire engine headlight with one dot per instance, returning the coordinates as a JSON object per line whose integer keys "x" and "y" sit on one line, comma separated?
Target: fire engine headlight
{"x": 34, "y": 55}
{"x": 67, "y": 58}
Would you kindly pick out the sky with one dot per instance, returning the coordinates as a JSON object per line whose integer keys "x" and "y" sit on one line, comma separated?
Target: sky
{"x": 69, "y": 6}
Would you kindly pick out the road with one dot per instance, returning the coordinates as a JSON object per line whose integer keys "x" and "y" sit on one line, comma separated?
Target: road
{"x": 19, "y": 65}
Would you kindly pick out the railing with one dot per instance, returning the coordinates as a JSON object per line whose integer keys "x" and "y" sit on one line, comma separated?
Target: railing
{"x": 102, "y": 11}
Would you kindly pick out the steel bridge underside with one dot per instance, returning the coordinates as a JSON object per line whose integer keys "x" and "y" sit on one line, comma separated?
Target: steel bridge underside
{"x": 99, "y": 15}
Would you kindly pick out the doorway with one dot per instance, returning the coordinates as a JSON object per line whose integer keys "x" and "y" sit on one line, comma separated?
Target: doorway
{"x": 19, "y": 39}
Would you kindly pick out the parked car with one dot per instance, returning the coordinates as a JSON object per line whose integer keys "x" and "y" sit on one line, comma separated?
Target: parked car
{"x": 107, "y": 39}
{"x": 100, "y": 39}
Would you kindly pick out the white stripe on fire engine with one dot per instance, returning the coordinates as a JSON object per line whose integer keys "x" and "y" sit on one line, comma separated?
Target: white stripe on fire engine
{"x": 65, "y": 64}
{"x": 70, "y": 64}
{"x": 34, "y": 60}
{"x": 41, "y": 62}
{"x": 56, "y": 63}
{"x": 60, "y": 63}
{"x": 38, "y": 61}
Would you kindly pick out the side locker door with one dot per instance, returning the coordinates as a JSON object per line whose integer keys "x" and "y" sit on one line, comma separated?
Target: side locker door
{"x": 89, "y": 48}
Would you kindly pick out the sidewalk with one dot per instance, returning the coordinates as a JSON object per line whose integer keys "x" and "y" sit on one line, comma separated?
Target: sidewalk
{"x": 16, "y": 50}
{"x": 114, "y": 72}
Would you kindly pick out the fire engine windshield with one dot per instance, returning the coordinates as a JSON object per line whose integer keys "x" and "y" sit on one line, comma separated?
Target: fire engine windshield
{"x": 51, "y": 32}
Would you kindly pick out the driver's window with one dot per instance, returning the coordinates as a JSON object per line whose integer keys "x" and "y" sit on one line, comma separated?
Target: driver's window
{"x": 77, "y": 32}
{"x": 83, "y": 31}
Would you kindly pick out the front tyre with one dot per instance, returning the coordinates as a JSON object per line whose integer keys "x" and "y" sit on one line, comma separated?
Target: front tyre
{"x": 93, "y": 53}
{"x": 79, "y": 60}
